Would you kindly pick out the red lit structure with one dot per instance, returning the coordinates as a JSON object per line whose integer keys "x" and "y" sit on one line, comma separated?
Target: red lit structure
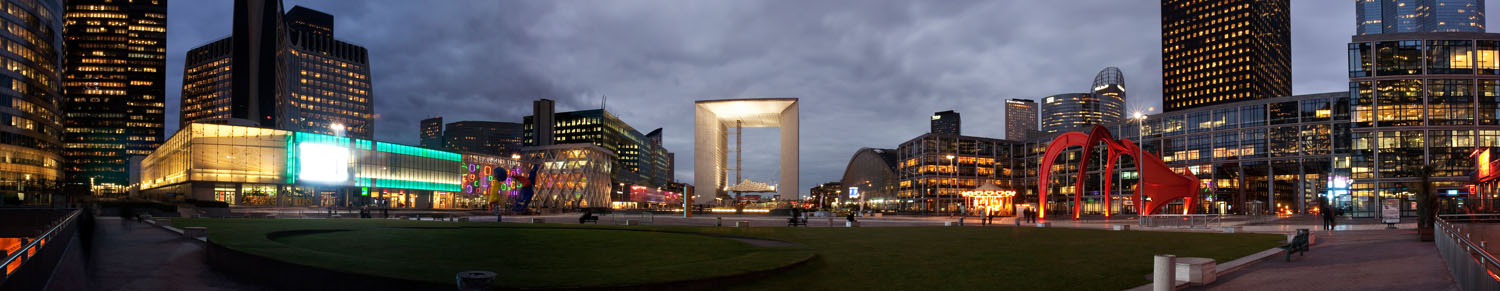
{"x": 1163, "y": 186}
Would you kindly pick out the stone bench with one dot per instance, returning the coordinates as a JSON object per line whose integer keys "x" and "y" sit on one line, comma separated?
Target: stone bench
{"x": 953, "y": 223}
{"x": 195, "y": 231}
{"x": 1044, "y": 224}
{"x": 632, "y": 222}
{"x": 1197, "y": 271}
{"x": 851, "y": 223}
{"x": 742, "y": 224}
{"x": 1120, "y": 227}
{"x": 538, "y": 220}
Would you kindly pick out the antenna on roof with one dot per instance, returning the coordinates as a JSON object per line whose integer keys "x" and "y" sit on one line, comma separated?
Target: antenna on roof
{"x": 602, "y": 99}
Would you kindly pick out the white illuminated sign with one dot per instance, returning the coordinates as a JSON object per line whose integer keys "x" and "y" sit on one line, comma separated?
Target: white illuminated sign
{"x": 323, "y": 163}
{"x": 853, "y": 192}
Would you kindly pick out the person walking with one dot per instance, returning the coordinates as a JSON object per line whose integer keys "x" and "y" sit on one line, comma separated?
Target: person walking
{"x": 1326, "y": 212}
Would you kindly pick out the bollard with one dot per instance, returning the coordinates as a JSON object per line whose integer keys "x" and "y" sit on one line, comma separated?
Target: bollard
{"x": 718, "y": 221}
{"x": 1163, "y": 273}
{"x": 475, "y": 280}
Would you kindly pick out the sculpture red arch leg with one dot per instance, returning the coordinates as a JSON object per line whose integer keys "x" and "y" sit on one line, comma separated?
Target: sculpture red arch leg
{"x": 1165, "y": 185}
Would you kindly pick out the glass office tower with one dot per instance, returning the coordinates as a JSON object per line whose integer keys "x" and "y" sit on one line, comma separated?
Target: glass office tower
{"x": 114, "y": 81}
{"x": 1401, "y": 16}
{"x": 1224, "y": 51}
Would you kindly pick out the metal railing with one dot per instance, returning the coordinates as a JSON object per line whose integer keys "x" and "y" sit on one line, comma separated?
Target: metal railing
{"x": 29, "y": 246}
{"x": 1182, "y": 220}
{"x": 1473, "y": 267}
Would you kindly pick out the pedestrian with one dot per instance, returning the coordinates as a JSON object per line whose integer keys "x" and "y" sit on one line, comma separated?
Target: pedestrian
{"x": 1326, "y": 212}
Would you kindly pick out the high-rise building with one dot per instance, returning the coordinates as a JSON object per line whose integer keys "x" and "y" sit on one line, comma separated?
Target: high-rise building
{"x": 1070, "y": 111}
{"x": 483, "y": 137}
{"x": 327, "y": 80}
{"x": 281, "y": 71}
{"x": 1109, "y": 87}
{"x": 114, "y": 80}
{"x": 1222, "y": 51}
{"x": 640, "y": 160}
{"x": 432, "y": 133}
{"x": 946, "y": 122}
{"x": 1020, "y": 118}
{"x": 32, "y": 134}
{"x": 1399, "y": 16}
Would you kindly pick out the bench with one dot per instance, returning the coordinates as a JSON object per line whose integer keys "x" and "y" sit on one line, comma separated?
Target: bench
{"x": 796, "y": 222}
{"x": 588, "y": 218}
{"x": 1297, "y": 245}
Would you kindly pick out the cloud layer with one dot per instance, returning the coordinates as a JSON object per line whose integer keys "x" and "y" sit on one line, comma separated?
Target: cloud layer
{"x": 868, "y": 72}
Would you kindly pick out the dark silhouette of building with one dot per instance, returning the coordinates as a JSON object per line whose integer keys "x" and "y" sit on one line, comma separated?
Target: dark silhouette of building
{"x": 282, "y": 71}
{"x": 1223, "y": 51}
{"x": 1020, "y": 119}
{"x": 114, "y": 80}
{"x": 432, "y": 133}
{"x": 484, "y": 137}
{"x": 946, "y": 122}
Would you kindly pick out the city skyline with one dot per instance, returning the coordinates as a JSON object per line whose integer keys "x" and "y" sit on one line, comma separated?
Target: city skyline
{"x": 870, "y": 77}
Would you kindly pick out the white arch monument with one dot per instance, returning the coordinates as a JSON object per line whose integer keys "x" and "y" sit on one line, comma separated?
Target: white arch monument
{"x": 714, "y": 119}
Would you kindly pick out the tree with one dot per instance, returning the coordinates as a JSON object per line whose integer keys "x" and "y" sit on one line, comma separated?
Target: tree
{"x": 1426, "y": 202}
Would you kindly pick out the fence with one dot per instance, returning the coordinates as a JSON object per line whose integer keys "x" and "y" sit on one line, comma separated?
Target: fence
{"x": 1473, "y": 267}
{"x": 1182, "y": 220}
{"x": 30, "y": 247}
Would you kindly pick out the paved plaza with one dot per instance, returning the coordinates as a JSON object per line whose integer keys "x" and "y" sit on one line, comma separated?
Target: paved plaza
{"x": 1349, "y": 260}
{"x": 128, "y": 255}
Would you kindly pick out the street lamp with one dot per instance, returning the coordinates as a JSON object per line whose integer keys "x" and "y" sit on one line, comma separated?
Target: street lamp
{"x": 1140, "y": 166}
{"x": 954, "y": 164}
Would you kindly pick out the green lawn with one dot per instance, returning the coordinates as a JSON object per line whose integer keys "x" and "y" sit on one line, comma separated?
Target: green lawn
{"x": 525, "y": 256}
{"x": 883, "y": 258}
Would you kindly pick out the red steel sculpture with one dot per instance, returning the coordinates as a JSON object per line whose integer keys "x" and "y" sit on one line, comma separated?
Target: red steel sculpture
{"x": 1162, "y": 187}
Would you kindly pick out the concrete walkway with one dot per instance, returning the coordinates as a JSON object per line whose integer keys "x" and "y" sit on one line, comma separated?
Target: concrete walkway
{"x": 1349, "y": 260}
{"x": 126, "y": 255}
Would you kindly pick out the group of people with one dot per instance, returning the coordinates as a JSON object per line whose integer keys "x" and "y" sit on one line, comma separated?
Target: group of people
{"x": 1330, "y": 214}
{"x": 1028, "y": 215}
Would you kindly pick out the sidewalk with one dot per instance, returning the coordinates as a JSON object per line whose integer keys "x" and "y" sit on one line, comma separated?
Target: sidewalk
{"x": 126, "y": 255}
{"x": 1349, "y": 260}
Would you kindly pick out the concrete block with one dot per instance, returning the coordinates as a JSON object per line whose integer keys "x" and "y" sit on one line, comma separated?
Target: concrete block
{"x": 1120, "y": 227}
{"x": 851, "y": 223}
{"x": 1234, "y": 229}
{"x": 538, "y": 220}
{"x": 1044, "y": 224}
{"x": 195, "y": 231}
{"x": 632, "y": 222}
{"x": 953, "y": 223}
{"x": 1196, "y": 271}
{"x": 742, "y": 224}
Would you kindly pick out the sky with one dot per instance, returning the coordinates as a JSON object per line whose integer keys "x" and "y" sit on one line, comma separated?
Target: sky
{"x": 868, "y": 73}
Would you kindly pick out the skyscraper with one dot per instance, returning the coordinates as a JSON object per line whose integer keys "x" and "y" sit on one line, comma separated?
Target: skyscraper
{"x": 1398, "y": 16}
{"x": 483, "y": 137}
{"x": 1221, "y": 51}
{"x": 1020, "y": 118}
{"x": 32, "y": 134}
{"x": 432, "y": 133}
{"x": 1070, "y": 111}
{"x": 1109, "y": 88}
{"x": 281, "y": 71}
{"x": 114, "y": 78}
{"x": 639, "y": 158}
{"x": 946, "y": 122}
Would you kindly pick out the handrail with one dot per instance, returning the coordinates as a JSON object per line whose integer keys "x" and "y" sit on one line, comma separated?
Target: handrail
{"x": 21, "y": 254}
{"x": 1476, "y": 252}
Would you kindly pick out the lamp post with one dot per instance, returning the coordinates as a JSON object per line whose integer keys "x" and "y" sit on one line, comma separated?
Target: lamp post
{"x": 1140, "y": 166}
{"x": 953, "y": 163}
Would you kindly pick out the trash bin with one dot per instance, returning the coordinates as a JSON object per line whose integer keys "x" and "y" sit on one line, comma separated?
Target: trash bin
{"x": 475, "y": 280}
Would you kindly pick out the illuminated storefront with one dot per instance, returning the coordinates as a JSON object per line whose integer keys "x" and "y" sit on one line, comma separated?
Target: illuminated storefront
{"x": 253, "y": 166}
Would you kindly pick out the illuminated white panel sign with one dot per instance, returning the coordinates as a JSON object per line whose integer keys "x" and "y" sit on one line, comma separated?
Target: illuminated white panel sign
{"x": 323, "y": 163}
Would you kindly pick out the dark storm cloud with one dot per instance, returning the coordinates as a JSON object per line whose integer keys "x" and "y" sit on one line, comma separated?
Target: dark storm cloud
{"x": 868, "y": 72}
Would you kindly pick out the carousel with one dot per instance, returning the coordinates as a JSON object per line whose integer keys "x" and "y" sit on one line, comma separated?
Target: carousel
{"x": 989, "y": 199}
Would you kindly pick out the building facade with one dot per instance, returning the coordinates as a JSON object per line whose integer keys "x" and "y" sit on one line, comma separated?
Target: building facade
{"x": 946, "y": 122}
{"x": 484, "y": 137}
{"x": 32, "y": 137}
{"x": 280, "y": 70}
{"x": 1421, "y": 99}
{"x": 1071, "y": 111}
{"x": 1109, "y": 88}
{"x": 873, "y": 172}
{"x": 1402, "y": 16}
{"x": 1020, "y": 119}
{"x": 1224, "y": 51}
{"x": 933, "y": 169}
{"x": 641, "y": 160}
{"x": 255, "y": 166}
{"x": 432, "y": 133}
{"x": 576, "y": 175}
{"x": 114, "y": 80}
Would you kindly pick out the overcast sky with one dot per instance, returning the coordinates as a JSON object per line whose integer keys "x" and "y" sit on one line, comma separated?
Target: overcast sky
{"x": 869, "y": 73}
